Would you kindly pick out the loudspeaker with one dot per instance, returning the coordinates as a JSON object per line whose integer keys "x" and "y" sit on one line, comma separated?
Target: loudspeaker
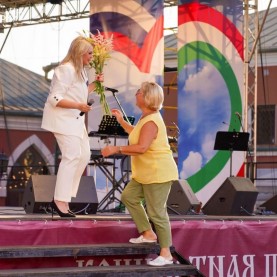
{"x": 181, "y": 199}
{"x": 236, "y": 196}
{"x": 40, "y": 189}
{"x": 270, "y": 204}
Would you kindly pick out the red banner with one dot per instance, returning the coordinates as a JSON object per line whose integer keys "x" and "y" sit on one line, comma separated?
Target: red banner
{"x": 217, "y": 248}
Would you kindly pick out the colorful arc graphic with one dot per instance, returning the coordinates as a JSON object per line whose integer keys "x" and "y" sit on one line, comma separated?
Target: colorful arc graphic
{"x": 203, "y": 13}
{"x": 207, "y": 52}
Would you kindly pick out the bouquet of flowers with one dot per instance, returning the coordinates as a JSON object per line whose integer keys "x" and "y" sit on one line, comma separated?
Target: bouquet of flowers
{"x": 101, "y": 53}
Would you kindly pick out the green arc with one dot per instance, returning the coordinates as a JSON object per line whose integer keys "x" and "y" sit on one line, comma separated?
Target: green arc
{"x": 204, "y": 51}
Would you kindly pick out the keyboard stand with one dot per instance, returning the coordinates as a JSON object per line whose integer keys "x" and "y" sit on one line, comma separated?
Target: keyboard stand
{"x": 109, "y": 127}
{"x": 110, "y": 197}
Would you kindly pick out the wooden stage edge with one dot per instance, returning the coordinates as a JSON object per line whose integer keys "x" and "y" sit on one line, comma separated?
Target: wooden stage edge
{"x": 18, "y": 213}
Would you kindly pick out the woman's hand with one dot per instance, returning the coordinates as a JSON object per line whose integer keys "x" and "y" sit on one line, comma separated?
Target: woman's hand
{"x": 109, "y": 150}
{"x": 99, "y": 77}
{"x": 68, "y": 104}
{"x": 118, "y": 114}
{"x": 83, "y": 107}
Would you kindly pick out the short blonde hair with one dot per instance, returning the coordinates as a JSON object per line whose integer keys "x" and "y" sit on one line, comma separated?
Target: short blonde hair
{"x": 153, "y": 95}
{"x": 78, "y": 47}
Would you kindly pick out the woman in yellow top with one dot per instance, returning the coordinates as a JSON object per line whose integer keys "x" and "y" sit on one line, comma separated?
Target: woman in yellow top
{"x": 153, "y": 171}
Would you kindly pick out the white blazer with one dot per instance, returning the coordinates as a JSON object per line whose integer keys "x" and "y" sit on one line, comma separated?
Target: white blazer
{"x": 65, "y": 85}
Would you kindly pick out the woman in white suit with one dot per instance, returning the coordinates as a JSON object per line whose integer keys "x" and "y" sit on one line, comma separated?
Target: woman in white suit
{"x": 68, "y": 97}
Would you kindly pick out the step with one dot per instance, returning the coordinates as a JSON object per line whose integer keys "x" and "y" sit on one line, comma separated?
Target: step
{"x": 181, "y": 268}
{"x": 77, "y": 250}
{"x": 109, "y": 271}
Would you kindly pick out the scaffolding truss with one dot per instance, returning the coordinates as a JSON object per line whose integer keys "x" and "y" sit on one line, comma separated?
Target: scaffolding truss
{"x": 16, "y": 13}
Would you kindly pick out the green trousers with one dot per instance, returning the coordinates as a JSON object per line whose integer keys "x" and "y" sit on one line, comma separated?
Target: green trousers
{"x": 155, "y": 197}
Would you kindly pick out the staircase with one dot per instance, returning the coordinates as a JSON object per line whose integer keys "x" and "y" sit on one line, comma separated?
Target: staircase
{"x": 181, "y": 267}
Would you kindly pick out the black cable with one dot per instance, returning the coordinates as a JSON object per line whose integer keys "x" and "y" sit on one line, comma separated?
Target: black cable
{"x": 244, "y": 210}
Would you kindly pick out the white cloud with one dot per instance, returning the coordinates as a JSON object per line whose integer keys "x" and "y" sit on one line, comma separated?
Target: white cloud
{"x": 208, "y": 146}
{"x": 207, "y": 81}
{"x": 191, "y": 165}
{"x": 205, "y": 95}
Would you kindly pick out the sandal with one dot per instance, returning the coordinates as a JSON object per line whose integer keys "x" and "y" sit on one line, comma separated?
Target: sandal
{"x": 141, "y": 239}
{"x": 160, "y": 261}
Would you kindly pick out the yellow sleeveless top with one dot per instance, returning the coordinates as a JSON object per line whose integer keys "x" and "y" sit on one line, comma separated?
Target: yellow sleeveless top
{"x": 157, "y": 164}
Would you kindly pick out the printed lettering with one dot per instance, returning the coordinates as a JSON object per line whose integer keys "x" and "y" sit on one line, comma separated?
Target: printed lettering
{"x": 138, "y": 261}
{"x": 217, "y": 266}
{"x": 80, "y": 263}
{"x": 248, "y": 260}
{"x": 104, "y": 263}
{"x": 197, "y": 261}
{"x": 270, "y": 265}
{"x": 233, "y": 270}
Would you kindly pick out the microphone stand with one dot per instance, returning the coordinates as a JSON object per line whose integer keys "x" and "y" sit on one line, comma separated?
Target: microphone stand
{"x": 124, "y": 114}
{"x": 248, "y": 150}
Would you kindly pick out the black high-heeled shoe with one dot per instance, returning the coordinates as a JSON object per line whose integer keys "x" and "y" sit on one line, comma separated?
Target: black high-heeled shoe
{"x": 60, "y": 213}
{"x": 71, "y": 212}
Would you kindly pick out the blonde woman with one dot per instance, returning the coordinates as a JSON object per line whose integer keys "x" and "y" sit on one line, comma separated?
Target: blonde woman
{"x": 153, "y": 171}
{"x": 68, "y": 98}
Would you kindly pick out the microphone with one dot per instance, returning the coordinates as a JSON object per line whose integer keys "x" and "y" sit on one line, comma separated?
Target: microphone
{"x": 90, "y": 102}
{"x": 238, "y": 114}
{"x": 240, "y": 120}
{"x": 113, "y": 90}
{"x": 223, "y": 122}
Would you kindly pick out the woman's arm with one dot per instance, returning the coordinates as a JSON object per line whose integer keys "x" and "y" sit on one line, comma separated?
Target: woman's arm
{"x": 148, "y": 133}
{"x": 91, "y": 87}
{"x": 68, "y": 104}
{"x": 61, "y": 82}
{"x": 124, "y": 124}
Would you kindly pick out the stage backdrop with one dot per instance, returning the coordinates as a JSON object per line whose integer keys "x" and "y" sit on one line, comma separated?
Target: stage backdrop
{"x": 137, "y": 30}
{"x": 210, "y": 90}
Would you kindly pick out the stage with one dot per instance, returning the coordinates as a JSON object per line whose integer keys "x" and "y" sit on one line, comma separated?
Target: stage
{"x": 217, "y": 245}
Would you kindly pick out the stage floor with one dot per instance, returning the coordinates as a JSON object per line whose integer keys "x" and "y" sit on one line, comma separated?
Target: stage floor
{"x": 18, "y": 213}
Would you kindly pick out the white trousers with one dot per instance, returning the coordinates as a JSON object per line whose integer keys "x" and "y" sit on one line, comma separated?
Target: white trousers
{"x": 75, "y": 157}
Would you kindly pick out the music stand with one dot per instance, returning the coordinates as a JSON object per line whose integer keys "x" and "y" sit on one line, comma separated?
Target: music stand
{"x": 231, "y": 141}
{"x": 110, "y": 126}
